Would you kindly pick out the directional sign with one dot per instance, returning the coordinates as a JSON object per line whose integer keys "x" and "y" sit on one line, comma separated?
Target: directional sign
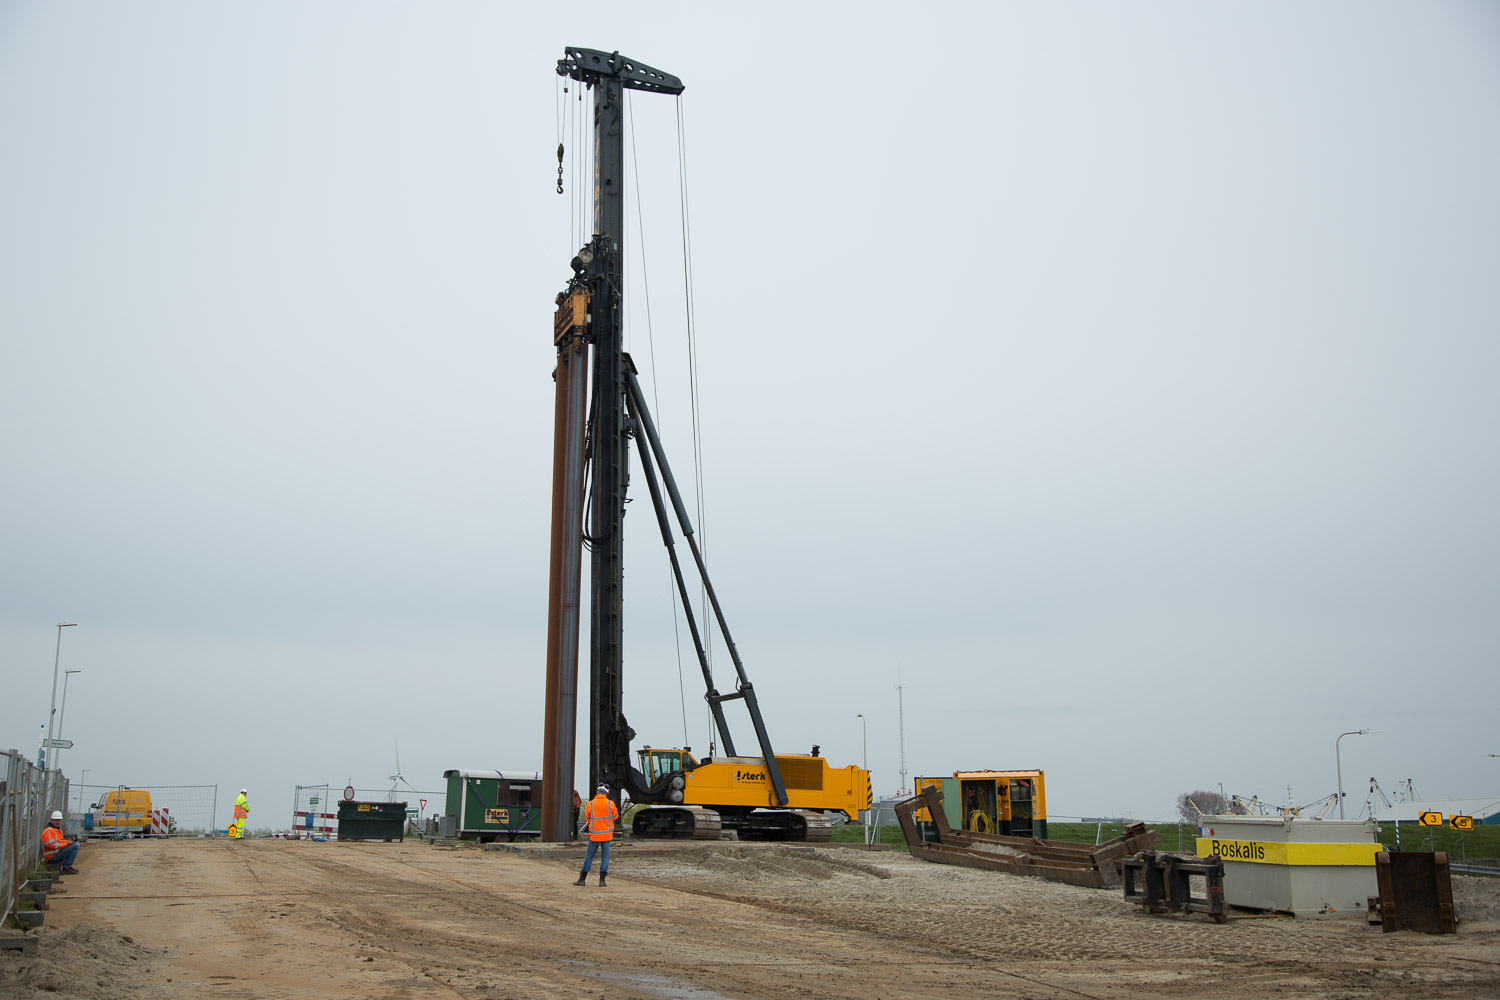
{"x": 1461, "y": 822}
{"x": 1430, "y": 819}
{"x": 411, "y": 814}
{"x": 59, "y": 744}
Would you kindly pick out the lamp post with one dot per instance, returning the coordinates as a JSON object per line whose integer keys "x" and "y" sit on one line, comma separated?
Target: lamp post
{"x": 62, "y": 716}
{"x": 56, "y": 659}
{"x": 864, "y": 728}
{"x": 1339, "y": 764}
{"x": 81, "y": 779}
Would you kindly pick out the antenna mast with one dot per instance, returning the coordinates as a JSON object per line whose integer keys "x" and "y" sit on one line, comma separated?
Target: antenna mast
{"x": 901, "y": 720}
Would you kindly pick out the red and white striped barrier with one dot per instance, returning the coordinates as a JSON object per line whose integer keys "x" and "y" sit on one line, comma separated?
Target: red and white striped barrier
{"x": 307, "y": 823}
{"x": 159, "y": 824}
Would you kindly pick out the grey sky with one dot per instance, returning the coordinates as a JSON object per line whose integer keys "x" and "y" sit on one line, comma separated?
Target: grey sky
{"x": 1121, "y": 379}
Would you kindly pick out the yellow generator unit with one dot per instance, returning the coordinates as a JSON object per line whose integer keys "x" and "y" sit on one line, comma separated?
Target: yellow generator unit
{"x": 734, "y": 793}
{"x": 1010, "y": 803}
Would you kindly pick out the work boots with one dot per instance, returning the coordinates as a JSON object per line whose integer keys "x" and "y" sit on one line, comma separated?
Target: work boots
{"x": 583, "y": 878}
{"x": 601, "y": 878}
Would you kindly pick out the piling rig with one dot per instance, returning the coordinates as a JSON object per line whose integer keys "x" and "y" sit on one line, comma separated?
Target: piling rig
{"x": 599, "y": 410}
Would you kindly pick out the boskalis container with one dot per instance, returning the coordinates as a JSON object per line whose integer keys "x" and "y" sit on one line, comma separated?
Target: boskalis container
{"x": 494, "y": 805}
{"x": 1306, "y": 867}
{"x": 372, "y": 821}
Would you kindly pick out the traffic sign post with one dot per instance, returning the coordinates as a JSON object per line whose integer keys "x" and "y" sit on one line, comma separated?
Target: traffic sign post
{"x": 1461, "y": 822}
{"x": 1430, "y": 819}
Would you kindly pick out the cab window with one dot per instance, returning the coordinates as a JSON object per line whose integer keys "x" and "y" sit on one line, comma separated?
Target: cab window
{"x": 660, "y": 762}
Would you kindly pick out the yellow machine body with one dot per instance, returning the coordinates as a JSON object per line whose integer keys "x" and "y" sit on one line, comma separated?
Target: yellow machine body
{"x": 124, "y": 810}
{"x": 1010, "y": 803}
{"x": 745, "y": 783}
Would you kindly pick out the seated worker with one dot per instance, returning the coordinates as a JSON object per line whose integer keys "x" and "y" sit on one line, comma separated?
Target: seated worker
{"x": 57, "y": 849}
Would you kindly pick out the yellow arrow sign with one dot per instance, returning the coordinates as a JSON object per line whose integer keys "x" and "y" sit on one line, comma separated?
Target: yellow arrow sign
{"x": 1430, "y": 819}
{"x": 1461, "y": 822}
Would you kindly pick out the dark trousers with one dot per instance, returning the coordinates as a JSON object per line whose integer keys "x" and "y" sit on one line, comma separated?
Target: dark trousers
{"x": 64, "y": 858}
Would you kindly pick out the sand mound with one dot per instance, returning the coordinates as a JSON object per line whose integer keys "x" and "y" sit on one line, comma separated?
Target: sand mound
{"x": 86, "y": 963}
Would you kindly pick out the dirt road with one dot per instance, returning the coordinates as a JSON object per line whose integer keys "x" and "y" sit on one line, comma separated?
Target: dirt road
{"x": 269, "y": 919}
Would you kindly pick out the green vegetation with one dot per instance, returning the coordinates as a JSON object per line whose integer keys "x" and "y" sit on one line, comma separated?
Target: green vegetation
{"x": 853, "y": 833}
{"x": 1481, "y": 842}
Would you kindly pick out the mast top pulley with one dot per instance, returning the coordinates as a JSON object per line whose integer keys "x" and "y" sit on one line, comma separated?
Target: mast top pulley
{"x": 591, "y": 65}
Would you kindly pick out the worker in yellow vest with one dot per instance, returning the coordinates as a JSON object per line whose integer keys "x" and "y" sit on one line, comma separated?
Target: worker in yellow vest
{"x": 599, "y": 816}
{"x": 241, "y": 815}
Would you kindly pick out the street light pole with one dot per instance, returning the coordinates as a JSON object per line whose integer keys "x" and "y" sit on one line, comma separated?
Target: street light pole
{"x": 1339, "y": 764}
{"x": 56, "y": 660}
{"x": 864, "y": 726}
{"x": 82, "y": 778}
{"x": 47, "y": 771}
{"x": 62, "y": 716}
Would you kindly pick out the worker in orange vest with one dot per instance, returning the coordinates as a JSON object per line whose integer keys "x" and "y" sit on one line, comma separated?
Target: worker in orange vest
{"x": 59, "y": 850}
{"x": 600, "y": 815}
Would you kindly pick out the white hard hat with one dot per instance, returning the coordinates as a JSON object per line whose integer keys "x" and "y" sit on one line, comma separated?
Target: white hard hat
{"x": 602, "y": 789}
{"x": 243, "y": 792}
{"x": 56, "y": 814}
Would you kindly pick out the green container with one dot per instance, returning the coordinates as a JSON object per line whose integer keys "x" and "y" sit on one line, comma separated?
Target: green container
{"x": 372, "y": 821}
{"x": 495, "y": 805}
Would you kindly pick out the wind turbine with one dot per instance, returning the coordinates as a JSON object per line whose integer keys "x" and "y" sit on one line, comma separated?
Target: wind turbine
{"x": 396, "y": 779}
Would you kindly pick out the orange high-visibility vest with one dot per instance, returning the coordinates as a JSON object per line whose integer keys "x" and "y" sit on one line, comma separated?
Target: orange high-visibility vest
{"x": 52, "y": 841}
{"x": 601, "y": 814}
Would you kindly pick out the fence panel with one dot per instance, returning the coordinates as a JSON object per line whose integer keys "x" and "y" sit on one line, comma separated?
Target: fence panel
{"x": 28, "y": 797}
{"x": 315, "y": 808}
{"x": 175, "y": 811}
{"x": 410, "y": 796}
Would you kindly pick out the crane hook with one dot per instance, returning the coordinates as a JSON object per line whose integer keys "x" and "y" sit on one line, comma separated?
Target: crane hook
{"x": 559, "y": 168}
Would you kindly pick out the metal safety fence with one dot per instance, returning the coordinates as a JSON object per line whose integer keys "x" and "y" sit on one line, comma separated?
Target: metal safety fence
{"x": 28, "y": 797}
{"x": 315, "y": 808}
{"x": 118, "y": 811}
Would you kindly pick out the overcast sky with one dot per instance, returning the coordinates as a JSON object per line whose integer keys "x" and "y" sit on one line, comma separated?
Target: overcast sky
{"x": 1120, "y": 380}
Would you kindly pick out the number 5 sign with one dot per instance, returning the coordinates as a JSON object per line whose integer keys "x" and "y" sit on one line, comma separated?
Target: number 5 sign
{"x": 1461, "y": 822}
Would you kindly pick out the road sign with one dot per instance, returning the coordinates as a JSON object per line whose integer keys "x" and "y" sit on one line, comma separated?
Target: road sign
{"x": 1430, "y": 818}
{"x": 1461, "y": 822}
{"x": 411, "y": 814}
{"x": 348, "y": 793}
{"x": 59, "y": 744}
{"x": 424, "y": 803}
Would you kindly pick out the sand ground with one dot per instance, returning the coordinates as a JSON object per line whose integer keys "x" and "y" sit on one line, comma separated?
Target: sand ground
{"x": 272, "y": 918}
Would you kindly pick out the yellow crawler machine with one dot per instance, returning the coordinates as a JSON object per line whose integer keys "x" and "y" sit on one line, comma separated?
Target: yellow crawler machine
{"x": 736, "y": 793}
